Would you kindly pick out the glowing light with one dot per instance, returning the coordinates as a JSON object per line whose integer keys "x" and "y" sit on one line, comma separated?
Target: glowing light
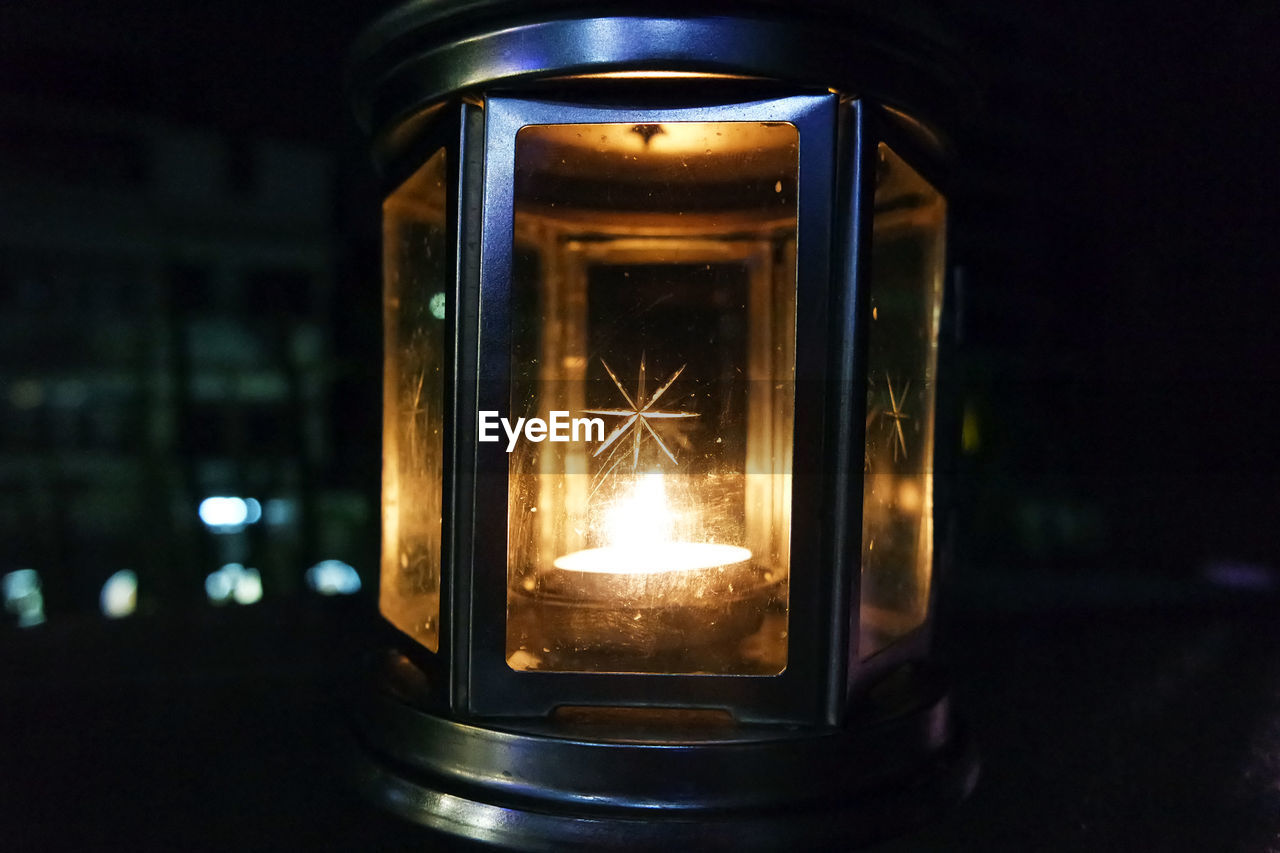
{"x": 234, "y": 582}
{"x": 909, "y": 497}
{"x": 23, "y": 598}
{"x": 119, "y": 595}
{"x": 21, "y": 583}
{"x": 643, "y": 517}
{"x": 437, "y": 305}
{"x": 661, "y": 557}
{"x": 333, "y": 577}
{"x": 230, "y": 514}
{"x": 671, "y": 139}
{"x": 639, "y": 529}
{"x": 219, "y": 585}
{"x": 248, "y": 587}
{"x": 224, "y": 512}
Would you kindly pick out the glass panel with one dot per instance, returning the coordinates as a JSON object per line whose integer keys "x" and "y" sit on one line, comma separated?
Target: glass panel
{"x": 907, "y": 248}
{"x": 416, "y": 272}
{"x": 655, "y": 301}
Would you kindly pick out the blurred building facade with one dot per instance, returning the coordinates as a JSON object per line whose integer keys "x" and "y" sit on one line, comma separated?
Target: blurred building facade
{"x": 165, "y": 302}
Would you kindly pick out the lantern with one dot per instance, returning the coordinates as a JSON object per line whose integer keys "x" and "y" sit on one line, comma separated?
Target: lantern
{"x": 663, "y": 293}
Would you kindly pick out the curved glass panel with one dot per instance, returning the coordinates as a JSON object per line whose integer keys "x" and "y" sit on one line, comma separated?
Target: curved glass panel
{"x": 416, "y": 275}
{"x": 907, "y": 250}
{"x": 653, "y": 342}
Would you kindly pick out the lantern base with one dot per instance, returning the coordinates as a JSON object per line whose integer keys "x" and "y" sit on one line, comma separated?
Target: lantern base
{"x": 640, "y": 779}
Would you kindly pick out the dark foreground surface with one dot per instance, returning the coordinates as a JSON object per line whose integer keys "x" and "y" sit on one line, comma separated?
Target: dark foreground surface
{"x": 1106, "y": 728}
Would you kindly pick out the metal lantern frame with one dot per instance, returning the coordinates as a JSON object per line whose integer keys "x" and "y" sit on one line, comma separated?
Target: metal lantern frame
{"x": 839, "y": 747}
{"x": 495, "y": 689}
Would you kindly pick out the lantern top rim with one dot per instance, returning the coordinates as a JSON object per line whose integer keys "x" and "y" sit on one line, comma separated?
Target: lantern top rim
{"x": 423, "y": 52}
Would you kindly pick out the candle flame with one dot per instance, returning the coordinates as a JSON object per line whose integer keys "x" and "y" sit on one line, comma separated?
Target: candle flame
{"x": 643, "y": 518}
{"x": 639, "y": 534}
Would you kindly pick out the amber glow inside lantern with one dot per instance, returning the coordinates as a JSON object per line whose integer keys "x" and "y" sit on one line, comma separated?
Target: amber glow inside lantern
{"x": 416, "y": 276}
{"x": 660, "y": 390}
{"x": 907, "y": 251}
{"x": 655, "y": 293}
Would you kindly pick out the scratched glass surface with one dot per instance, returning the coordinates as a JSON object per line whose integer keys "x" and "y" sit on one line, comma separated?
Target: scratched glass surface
{"x": 907, "y": 249}
{"x": 415, "y": 278}
{"x": 654, "y": 291}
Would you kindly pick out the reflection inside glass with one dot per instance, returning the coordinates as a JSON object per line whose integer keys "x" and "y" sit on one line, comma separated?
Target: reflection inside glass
{"x": 902, "y": 353}
{"x": 653, "y": 290}
{"x": 416, "y": 272}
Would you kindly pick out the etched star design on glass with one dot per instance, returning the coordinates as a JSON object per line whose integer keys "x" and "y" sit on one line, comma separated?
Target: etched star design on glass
{"x": 896, "y": 415}
{"x": 636, "y": 419}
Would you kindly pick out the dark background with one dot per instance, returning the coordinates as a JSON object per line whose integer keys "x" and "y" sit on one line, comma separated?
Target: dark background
{"x": 189, "y": 306}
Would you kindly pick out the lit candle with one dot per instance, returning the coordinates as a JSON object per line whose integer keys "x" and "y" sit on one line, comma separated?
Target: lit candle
{"x": 653, "y": 559}
{"x": 643, "y": 563}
